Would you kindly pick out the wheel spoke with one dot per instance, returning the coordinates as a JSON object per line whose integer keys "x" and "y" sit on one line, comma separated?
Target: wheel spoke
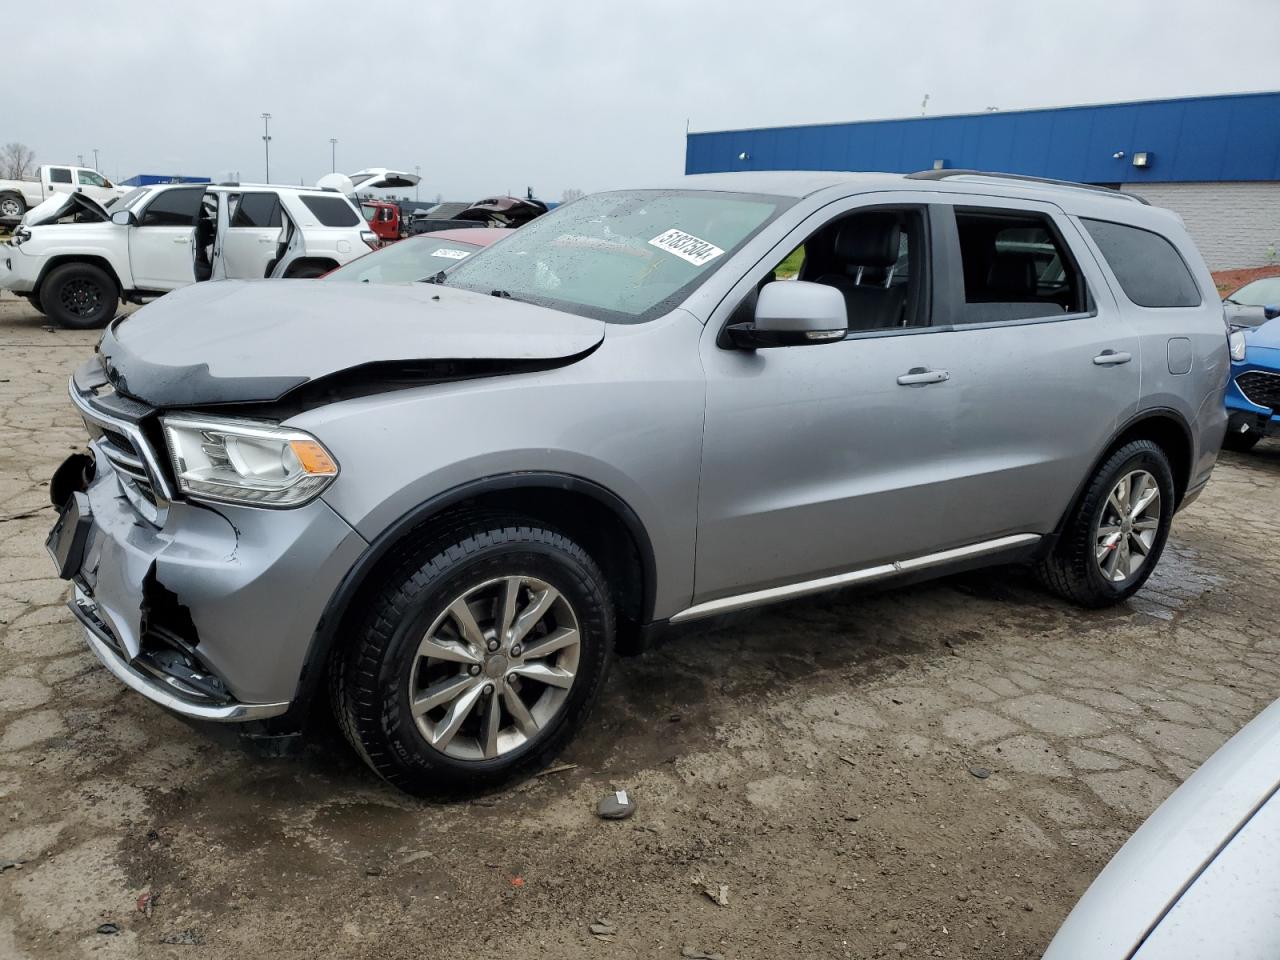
{"x": 466, "y": 622}
{"x": 1147, "y": 524}
{"x": 537, "y": 609}
{"x": 441, "y": 693}
{"x": 1148, "y": 497}
{"x": 519, "y": 712}
{"x": 1107, "y": 530}
{"x": 447, "y": 728}
{"x": 507, "y": 605}
{"x": 553, "y": 641}
{"x": 440, "y": 649}
{"x": 1136, "y": 541}
{"x": 545, "y": 673}
{"x": 1109, "y": 568}
{"x": 1108, "y": 546}
{"x": 492, "y": 726}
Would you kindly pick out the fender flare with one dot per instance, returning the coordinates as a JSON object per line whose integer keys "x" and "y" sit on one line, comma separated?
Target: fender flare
{"x": 326, "y": 632}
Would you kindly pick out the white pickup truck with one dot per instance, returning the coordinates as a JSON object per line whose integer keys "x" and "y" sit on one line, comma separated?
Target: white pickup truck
{"x": 19, "y": 196}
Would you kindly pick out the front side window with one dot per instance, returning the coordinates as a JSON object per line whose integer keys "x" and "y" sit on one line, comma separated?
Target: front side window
{"x": 59, "y": 175}
{"x": 332, "y": 211}
{"x": 173, "y": 208}
{"x": 414, "y": 259}
{"x": 1015, "y": 267}
{"x": 1148, "y": 267}
{"x": 257, "y": 210}
{"x": 90, "y": 179}
{"x": 623, "y": 257}
{"x": 1259, "y": 293}
{"x": 370, "y": 212}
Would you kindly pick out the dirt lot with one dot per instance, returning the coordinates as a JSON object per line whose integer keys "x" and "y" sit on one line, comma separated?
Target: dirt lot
{"x": 815, "y": 758}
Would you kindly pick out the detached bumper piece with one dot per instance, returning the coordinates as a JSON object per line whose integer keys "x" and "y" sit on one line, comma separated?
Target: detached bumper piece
{"x": 166, "y": 675}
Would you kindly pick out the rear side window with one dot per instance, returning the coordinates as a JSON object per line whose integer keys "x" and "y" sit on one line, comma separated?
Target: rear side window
{"x": 1016, "y": 267}
{"x": 1149, "y": 268}
{"x": 59, "y": 175}
{"x": 331, "y": 211}
{"x": 257, "y": 210}
{"x": 173, "y": 208}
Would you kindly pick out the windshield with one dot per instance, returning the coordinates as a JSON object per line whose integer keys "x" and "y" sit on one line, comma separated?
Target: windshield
{"x": 414, "y": 259}
{"x": 370, "y": 212}
{"x": 620, "y": 257}
{"x": 1259, "y": 293}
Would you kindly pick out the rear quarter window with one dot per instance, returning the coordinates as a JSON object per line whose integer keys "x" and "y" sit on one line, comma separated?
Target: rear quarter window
{"x": 332, "y": 211}
{"x": 1148, "y": 267}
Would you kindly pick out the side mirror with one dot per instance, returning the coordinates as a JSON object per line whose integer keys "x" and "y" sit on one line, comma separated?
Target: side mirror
{"x": 793, "y": 313}
{"x": 124, "y": 218}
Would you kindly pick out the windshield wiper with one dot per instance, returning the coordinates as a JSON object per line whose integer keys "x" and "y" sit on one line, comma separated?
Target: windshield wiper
{"x": 504, "y": 294}
{"x": 434, "y": 278}
{"x": 1229, "y": 300}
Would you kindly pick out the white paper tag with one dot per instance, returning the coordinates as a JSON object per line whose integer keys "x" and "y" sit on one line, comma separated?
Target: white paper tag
{"x": 686, "y": 246}
{"x": 621, "y": 797}
{"x": 451, "y": 253}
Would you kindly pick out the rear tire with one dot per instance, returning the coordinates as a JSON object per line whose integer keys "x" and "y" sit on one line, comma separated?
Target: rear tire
{"x": 12, "y": 207}
{"x": 1241, "y": 442}
{"x": 426, "y": 699}
{"x": 309, "y": 272}
{"x": 1110, "y": 543}
{"x": 79, "y": 296}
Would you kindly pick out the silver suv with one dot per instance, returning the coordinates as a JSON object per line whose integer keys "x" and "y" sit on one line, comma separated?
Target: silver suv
{"x": 445, "y": 504}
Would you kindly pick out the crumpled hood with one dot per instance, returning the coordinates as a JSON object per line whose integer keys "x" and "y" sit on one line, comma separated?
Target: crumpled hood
{"x": 59, "y": 205}
{"x": 252, "y": 341}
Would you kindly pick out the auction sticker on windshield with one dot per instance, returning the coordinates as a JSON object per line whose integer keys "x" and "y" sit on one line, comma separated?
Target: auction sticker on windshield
{"x": 686, "y": 246}
{"x": 451, "y": 253}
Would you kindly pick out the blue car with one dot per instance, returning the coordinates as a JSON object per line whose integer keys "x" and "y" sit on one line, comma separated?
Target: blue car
{"x": 1253, "y": 395}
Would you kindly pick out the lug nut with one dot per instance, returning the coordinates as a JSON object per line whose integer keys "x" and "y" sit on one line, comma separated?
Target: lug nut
{"x": 474, "y": 669}
{"x": 488, "y": 689}
{"x": 493, "y": 645}
{"x": 516, "y": 650}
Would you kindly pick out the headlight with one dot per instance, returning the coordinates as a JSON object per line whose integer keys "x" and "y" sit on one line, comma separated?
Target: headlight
{"x": 1238, "y": 344}
{"x": 242, "y": 461}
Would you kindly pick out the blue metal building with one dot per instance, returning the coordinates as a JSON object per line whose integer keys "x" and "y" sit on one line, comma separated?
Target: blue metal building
{"x": 1215, "y": 160}
{"x": 150, "y": 179}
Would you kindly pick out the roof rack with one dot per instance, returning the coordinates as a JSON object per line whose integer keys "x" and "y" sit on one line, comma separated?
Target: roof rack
{"x": 1023, "y": 178}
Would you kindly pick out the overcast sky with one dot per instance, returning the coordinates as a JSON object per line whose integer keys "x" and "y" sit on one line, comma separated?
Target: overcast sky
{"x": 489, "y": 96}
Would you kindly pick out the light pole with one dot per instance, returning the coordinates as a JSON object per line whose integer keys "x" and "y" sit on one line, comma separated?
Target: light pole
{"x": 95, "y": 159}
{"x": 266, "y": 143}
{"x": 333, "y": 155}
{"x": 417, "y": 172}
{"x": 80, "y": 159}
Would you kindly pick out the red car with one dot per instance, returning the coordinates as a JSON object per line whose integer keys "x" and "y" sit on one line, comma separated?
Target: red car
{"x": 417, "y": 258}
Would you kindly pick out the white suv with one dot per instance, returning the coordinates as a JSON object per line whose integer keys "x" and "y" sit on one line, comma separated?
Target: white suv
{"x": 74, "y": 259}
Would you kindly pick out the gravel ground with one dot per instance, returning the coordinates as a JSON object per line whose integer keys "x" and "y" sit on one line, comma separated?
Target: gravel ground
{"x": 816, "y": 758}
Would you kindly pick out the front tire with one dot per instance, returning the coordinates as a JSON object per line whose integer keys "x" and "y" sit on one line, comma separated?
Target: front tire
{"x": 1115, "y": 535}
{"x": 79, "y": 296}
{"x": 12, "y": 206}
{"x": 477, "y": 660}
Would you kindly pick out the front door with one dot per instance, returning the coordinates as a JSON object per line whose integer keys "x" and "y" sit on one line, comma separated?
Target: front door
{"x": 94, "y": 185}
{"x": 160, "y": 245}
{"x": 820, "y": 459}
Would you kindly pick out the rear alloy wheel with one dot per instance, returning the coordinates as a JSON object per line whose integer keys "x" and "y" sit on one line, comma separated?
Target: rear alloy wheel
{"x": 478, "y": 659}
{"x": 79, "y": 296}
{"x": 1114, "y": 537}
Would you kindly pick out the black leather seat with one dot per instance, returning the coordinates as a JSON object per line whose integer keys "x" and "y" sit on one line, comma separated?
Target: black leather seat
{"x": 865, "y": 250}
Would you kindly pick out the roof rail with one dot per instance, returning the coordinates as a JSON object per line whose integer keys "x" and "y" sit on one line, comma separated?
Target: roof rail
{"x": 946, "y": 174}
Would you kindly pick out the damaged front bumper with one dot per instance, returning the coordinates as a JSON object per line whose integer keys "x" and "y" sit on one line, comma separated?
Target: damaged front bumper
{"x": 208, "y": 611}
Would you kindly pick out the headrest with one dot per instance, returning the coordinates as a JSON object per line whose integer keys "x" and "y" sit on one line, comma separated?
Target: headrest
{"x": 869, "y": 240}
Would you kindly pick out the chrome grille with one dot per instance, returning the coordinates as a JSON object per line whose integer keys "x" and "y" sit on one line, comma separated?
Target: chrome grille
{"x": 125, "y": 448}
{"x": 1259, "y": 388}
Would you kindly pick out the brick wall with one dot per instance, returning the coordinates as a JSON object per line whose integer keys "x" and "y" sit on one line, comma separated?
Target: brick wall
{"x": 1233, "y": 224}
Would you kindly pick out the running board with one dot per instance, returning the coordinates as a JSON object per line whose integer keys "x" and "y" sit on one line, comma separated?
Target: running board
{"x": 790, "y": 591}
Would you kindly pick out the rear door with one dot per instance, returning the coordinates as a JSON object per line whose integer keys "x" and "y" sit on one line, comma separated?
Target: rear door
{"x": 252, "y": 233}
{"x": 60, "y": 180}
{"x": 1043, "y": 366}
{"x": 160, "y": 245}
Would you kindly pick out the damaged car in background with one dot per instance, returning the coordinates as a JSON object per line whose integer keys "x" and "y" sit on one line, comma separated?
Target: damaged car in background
{"x": 616, "y": 419}
{"x": 75, "y": 260}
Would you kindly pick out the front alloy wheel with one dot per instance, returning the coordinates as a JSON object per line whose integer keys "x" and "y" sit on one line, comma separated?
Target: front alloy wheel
{"x": 1128, "y": 526}
{"x": 477, "y": 658}
{"x": 494, "y": 668}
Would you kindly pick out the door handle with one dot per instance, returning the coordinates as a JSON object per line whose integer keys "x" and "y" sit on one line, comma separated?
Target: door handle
{"x": 265, "y": 240}
{"x": 182, "y": 240}
{"x": 919, "y": 376}
{"x": 1110, "y": 358}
